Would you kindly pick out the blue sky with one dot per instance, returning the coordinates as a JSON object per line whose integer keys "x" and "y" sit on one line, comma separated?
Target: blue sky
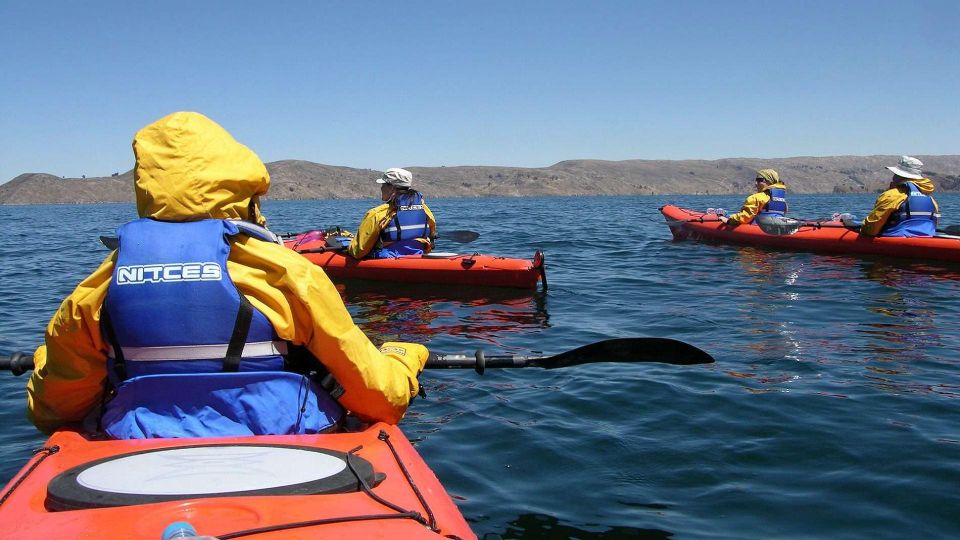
{"x": 407, "y": 83}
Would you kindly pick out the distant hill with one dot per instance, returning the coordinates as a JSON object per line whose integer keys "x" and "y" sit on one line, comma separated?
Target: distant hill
{"x": 293, "y": 179}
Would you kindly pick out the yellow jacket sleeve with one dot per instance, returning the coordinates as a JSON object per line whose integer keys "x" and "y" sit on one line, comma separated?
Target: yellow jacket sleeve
{"x": 886, "y": 204}
{"x": 368, "y": 234}
{"x": 751, "y": 207}
{"x": 431, "y": 221}
{"x": 69, "y": 370}
{"x": 306, "y": 309}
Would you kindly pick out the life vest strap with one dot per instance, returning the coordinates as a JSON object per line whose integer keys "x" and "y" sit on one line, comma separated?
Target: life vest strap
{"x": 116, "y": 351}
{"x": 241, "y": 328}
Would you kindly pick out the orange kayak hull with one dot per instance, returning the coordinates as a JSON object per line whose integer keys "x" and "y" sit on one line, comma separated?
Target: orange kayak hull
{"x": 26, "y": 512}
{"x": 474, "y": 270}
{"x": 826, "y": 237}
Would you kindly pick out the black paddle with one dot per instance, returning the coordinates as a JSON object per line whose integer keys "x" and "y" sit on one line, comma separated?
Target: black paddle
{"x": 462, "y": 237}
{"x": 625, "y": 350}
{"x": 110, "y": 242}
{"x": 664, "y": 350}
{"x": 18, "y": 363}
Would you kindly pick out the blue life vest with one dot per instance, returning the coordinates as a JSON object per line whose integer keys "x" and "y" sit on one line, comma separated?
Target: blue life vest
{"x": 400, "y": 235}
{"x": 916, "y": 216}
{"x": 190, "y": 355}
{"x": 777, "y": 205}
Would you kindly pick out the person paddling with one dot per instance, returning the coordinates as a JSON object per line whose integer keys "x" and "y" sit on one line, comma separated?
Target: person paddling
{"x": 906, "y": 207}
{"x": 402, "y": 225}
{"x": 770, "y": 199}
{"x": 201, "y": 323}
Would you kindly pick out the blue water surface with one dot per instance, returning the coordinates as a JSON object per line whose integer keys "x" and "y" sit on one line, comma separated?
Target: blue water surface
{"x": 832, "y": 410}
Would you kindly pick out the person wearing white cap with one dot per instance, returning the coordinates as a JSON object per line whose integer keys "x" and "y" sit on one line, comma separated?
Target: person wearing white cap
{"x": 402, "y": 225}
{"x": 906, "y": 207}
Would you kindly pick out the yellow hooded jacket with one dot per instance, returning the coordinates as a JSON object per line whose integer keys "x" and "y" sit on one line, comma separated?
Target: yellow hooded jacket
{"x": 756, "y": 202}
{"x": 189, "y": 168}
{"x": 889, "y": 201}
{"x": 374, "y": 221}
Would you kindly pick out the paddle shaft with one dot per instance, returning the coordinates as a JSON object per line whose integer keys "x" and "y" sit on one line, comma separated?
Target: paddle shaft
{"x": 626, "y": 350}
{"x": 459, "y": 236}
{"x": 324, "y": 249}
{"x": 18, "y": 363}
{"x": 462, "y": 237}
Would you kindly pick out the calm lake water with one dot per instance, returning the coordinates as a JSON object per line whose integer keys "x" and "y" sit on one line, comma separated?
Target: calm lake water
{"x": 833, "y": 410}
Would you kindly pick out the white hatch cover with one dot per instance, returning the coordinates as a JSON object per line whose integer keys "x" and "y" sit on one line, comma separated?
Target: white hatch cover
{"x": 207, "y": 471}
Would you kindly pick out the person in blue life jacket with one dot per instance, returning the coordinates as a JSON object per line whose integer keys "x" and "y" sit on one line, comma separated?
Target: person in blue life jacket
{"x": 906, "y": 208}
{"x": 402, "y": 225}
{"x": 201, "y": 323}
{"x": 769, "y": 200}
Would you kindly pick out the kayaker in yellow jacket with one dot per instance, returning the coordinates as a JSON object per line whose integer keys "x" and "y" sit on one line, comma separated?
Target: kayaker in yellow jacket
{"x": 188, "y": 168}
{"x": 770, "y": 197}
{"x": 900, "y": 212}
{"x": 402, "y": 225}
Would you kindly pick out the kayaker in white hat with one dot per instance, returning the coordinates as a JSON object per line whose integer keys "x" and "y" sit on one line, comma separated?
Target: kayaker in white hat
{"x": 906, "y": 207}
{"x": 402, "y": 225}
{"x": 200, "y": 287}
{"x": 770, "y": 199}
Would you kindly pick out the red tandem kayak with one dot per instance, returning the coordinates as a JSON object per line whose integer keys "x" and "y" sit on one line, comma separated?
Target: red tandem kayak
{"x": 826, "y": 237}
{"x": 367, "y": 484}
{"x": 437, "y": 268}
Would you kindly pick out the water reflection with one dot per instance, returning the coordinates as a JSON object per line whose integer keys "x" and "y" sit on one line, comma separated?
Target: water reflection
{"x": 766, "y": 300}
{"x": 542, "y": 526}
{"x": 417, "y": 312}
{"x": 894, "y": 273}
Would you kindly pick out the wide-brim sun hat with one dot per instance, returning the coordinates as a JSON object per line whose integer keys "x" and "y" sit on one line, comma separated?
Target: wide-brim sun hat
{"x": 908, "y": 167}
{"x": 397, "y": 177}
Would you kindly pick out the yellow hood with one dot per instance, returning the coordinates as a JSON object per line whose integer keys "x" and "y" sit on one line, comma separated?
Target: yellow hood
{"x": 925, "y": 185}
{"x": 189, "y": 168}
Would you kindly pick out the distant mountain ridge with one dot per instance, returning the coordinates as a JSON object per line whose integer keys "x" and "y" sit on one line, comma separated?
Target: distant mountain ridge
{"x": 300, "y": 180}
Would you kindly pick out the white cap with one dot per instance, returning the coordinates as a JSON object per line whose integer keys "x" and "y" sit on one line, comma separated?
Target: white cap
{"x": 908, "y": 167}
{"x": 397, "y": 177}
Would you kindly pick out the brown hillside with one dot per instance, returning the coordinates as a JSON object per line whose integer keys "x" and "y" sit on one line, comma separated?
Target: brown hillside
{"x": 294, "y": 179}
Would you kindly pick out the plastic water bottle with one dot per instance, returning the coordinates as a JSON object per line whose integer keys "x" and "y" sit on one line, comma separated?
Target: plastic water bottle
{"x": 182, "y": 530}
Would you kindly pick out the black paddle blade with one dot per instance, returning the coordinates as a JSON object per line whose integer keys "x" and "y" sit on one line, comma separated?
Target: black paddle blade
{"x": 462, "y": 237}
{"x": 663, "y": 350}
{"x": 111, "y": 242}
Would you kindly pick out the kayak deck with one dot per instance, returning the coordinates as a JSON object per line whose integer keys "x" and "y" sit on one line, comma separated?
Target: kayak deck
{"x": 449, "y": 269}
{"x": 404, "y": 499}
{"x": 822, "y": 237}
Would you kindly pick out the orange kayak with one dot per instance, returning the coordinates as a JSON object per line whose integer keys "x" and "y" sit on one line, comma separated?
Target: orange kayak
{"x": 366, "y": 484}
{"x": 437, "y": 268}
{"x": 825, "y": 237}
